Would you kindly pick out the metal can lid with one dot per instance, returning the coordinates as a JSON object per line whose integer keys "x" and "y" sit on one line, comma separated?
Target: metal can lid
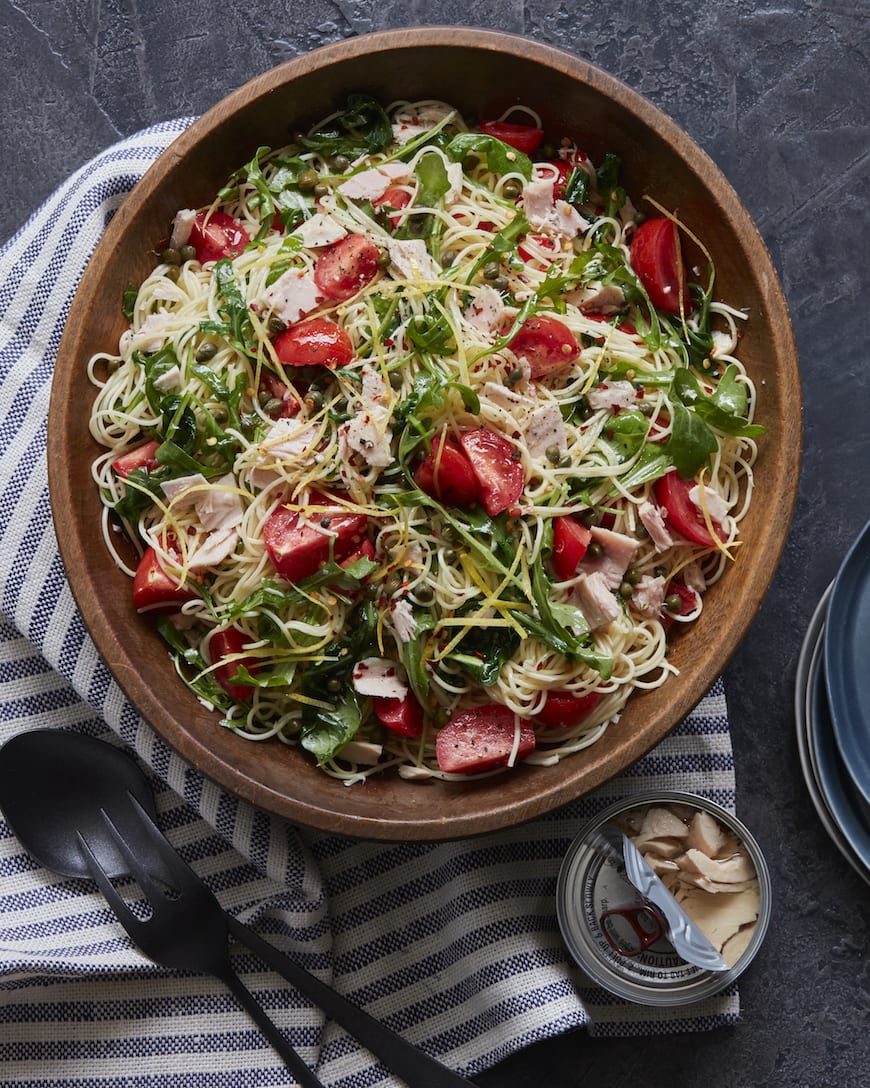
{"x": 591, "y": 888}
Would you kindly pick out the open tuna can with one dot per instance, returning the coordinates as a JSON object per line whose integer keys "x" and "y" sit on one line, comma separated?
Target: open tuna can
{"x": 664, "y": 898}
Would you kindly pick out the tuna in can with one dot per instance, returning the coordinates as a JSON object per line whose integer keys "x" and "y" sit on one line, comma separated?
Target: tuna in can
{"x": 712, "y": 866}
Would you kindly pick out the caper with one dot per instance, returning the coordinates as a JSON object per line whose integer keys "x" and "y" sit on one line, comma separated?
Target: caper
{"x": 449, "y": 555}
{"x": 219, "y": 413}
{"x": 170, "y": 256}
{"x": 396, "y": 379}
{"x": 548, "y": 151}
{"x": 188, "y": 253}
{"x": 299, "y": 136}
{"x": 626, "y": 589}
{"x": 516, "y": 375}
{"x": 490, "y": 271}
{"x": 588, "y": 518}
{"x": 205, "y": 352}
{"x": 321, "y": 189}
{"x": 511, "y": 189}
{"x": 500, "y": 283}
{"x": 417, "y": 225}
{"x": 307, "y": 179}
{"x": 340, "y": 164}
{"x": 566, "y": 460}
{"x": 275, "y": 325}
{"x": 313, "y": 400}
{"x": 674, "y": 603}
{"x": 452, "y": 535}
{"x": 554, "y": 454}
{"x": 595, "y": 550}
{"x": 424, "y": 594}
{"x": 173, "y": 273}
{"x": 272, "y": 406}
{"x": 383, "y": 259}
{"x": 470, "y": 162}
{"x": 334, "y": 685}
{"x": 632, "y": 576}
{"x": 263, "y": 396}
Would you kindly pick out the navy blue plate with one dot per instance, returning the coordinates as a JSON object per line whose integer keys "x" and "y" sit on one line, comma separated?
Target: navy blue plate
{"x": 847, "y": 806}
{"x": 847, "y": 661}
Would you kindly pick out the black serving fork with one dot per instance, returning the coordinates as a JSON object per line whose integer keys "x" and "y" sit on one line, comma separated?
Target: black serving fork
{"x": 186, "y": 930}
{"x": 189, "y": 930}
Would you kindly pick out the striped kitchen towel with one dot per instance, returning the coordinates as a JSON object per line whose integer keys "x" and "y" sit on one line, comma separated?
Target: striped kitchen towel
{"x": 454, "y": 945}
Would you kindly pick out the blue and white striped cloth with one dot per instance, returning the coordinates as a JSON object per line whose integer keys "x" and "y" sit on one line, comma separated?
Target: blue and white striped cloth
{"x": 456, "y": 945}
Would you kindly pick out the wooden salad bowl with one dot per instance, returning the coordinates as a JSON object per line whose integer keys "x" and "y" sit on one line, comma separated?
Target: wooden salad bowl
{"x": 482, "y": 73}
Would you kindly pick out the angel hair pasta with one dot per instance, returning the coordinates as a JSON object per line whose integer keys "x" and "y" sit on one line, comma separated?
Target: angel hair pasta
{"x": 427, "y": 440}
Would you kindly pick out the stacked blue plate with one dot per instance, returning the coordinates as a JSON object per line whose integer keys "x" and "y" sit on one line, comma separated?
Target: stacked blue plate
{"x": 832, "y": 707}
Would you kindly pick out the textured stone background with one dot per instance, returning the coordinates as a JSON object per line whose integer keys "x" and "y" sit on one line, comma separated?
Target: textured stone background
{"x": 778, "y": 93}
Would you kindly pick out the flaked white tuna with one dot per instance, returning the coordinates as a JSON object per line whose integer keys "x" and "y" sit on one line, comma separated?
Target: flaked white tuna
{"x": 213, "y": 549}
{"x": 220, "y": 507}
{"x": 293, "y": 295}
{"x": 548, "y": 215}
{"x": 648, "y": 596}
{"x": 612, "y": 395}
{"x": 652, "y": 518}
{"x": 182, "y": 225}
{"x": 410, "y": 123}
{"x": 368, "y": 433}
{"x": 402, "y": 619}
{"x": 706, "y": 834}
{"x": 151, "y": 334}
{"x": 545, "y": 428}
{"x": 597, "y": 298}
{"x": 595, "y": 600}
{"x": 716, "y": 506}
{"x": 617, "y": 552}
{"x": 374, "y": 182}
{"x": 319, "y": 230}
{"x": 380, "y": 678}
{"x": 288, "y": 440}
{"x": 412, "y": 260}
{"x": 169, "y": 381}
{"x": 487, "y": 311}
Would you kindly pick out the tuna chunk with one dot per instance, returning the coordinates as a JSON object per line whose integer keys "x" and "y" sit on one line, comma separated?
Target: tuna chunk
{"x": 736, "y": 869}
{"x": 706, "y": 834}
{"x": 653, "y": 520}
{"x": 648, "y": 596}
{"x": 595, "y": 600}
{"x": 618, "y": 552}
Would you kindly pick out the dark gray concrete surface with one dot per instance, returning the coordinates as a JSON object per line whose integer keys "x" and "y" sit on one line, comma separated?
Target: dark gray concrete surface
{"x": 778, "y": 92}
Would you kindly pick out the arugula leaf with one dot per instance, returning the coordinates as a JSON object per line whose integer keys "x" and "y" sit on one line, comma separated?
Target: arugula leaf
{"x": 500, "y": 157}
{"x": 652, "y": 463}
{"x": 724, "y": 409}
{"x": 607, "y": 177}
{"x": 142, "y": 488}
{"x": 429, "y": 333}
{"x": 577, "y": 187}
{"x": 484, "y": 650}
{"x": 432, "y": 180}
{"x": 201, "y": 683}
{"x": 232, "y": 307}
{"x": 128, "y": 300}
{"x": 626, "y": 433}
{"x": 412, "y": 655}
{"x": 362, "y": 128}
{"x": 691, "y": 443}
{"x": 156, "y": 366}
{"x": 325, "y": 732}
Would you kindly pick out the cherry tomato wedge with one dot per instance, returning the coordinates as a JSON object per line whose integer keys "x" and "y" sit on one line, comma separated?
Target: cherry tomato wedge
{"x": 403, "y": 716}
{"x": 570, "y": 541}
{"x": 564, "y": 709}
{"x": 655, "y": 257}
{"x": 346, "y": 266}
{"x": 216, "y": 235}
{"x": 144, "y": 456}
{"x": 393, "y": 200}
{"x": 672, "y": 493}
{"x": 315, "y": 342}
{"x": 230, "y": 643}
{"x": 446, "y": 474}
{"x": 298, "y": 546}
{"x": 494, "y": 462}
{"x": 547, "y": 343}
{"x": 155, "y": 589}
{"x": 482, "y": 739}
{"x": 525, "y": 138}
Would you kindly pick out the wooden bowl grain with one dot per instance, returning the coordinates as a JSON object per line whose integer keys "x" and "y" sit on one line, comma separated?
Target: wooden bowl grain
{"x": 483, "y": 73}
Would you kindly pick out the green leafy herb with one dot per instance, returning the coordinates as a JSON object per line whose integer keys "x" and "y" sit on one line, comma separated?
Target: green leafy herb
{"x": 500, "y": 157}
{"x": 128, "y": 300}
{"x": 363, "y": 127}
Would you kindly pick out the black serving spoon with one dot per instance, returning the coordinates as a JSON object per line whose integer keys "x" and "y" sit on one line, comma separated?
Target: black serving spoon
{"x": 60, "y": 790}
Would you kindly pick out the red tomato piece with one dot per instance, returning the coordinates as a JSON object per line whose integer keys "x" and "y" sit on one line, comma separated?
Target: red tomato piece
{"x": 482, "y": 739}
{"x": 229, "y": 644}
{"x": 570, "y": 541}
{"x": 143, "y": 456}
{"x": 299, "y": 546}
{"x": 402, "y": 716}
{"x": 499, "y": 472}
{"x": 315, "y": 342}
{"x": 155, "y": 589}
{"x": 346, "y": 266}
{"x": 547, "y": 343}
{"x": 655, "y": 257}
{"x": 564, "y": 709}
{"x": 525, "y": 138}
{"x": 672, "y": 493}
{"x": 447, "y": 475}
{"x": 216, "y": 235}
{"x": 392, "y": 201}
